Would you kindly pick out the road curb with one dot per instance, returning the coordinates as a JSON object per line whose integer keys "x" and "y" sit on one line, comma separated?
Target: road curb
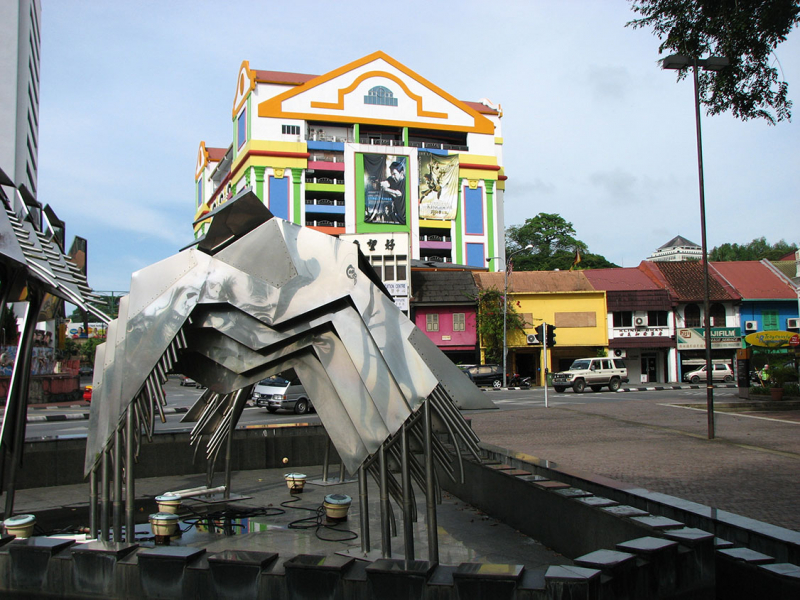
{"x": 85, "y": 415}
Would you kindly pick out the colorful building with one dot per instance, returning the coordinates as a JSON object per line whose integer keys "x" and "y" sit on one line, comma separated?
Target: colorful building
{"x": 370, "y": 149}
{"x": 444, "y": 307}
{"x": 564, "y": 299}
{"x": 641, "y": 324}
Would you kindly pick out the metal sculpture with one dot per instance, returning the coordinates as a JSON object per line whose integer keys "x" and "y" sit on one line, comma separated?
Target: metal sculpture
{"x": 33, "y": 267}
{"x": 255, "y": 297}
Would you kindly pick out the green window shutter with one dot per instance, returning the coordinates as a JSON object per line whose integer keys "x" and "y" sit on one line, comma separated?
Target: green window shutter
{"x": 770, "y": 319}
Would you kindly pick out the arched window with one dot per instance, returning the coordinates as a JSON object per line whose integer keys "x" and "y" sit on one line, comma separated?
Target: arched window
{"x": 717, "y": 315}
{"x": 380, "y": 95}
{"x": 691, "y": 315}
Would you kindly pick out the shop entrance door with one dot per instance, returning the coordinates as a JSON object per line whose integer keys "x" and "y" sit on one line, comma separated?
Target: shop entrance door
{"x": 649, "y": 367}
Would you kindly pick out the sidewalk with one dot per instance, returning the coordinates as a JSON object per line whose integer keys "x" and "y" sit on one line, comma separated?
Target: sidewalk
{"x": 750, "y": 468}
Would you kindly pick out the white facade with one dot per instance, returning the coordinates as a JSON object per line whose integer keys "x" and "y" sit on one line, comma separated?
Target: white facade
{"x": 20, "y": 43}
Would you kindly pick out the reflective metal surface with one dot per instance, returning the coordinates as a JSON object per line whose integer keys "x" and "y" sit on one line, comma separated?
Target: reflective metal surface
{"x": 34, "y": 270}
{"x": 259, "y": 296}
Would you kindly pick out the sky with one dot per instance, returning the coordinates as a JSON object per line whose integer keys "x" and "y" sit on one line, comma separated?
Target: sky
{"x": 593, "y": 129}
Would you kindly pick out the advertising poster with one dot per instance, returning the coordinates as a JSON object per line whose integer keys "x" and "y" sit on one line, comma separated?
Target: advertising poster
{"x": 385, "y": 188}
{"x": 438, "y": 186}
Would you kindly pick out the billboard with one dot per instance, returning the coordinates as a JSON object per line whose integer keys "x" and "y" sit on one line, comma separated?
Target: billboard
{"x": 438, "y": 186}
{"x": 721, "y": 338}
{"x": 385, "y": 188}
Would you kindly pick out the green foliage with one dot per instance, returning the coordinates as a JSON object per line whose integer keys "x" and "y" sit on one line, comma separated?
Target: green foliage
{"x": 88, "y": 348}
{"x": 756, "y": 250}
{"x": 554, "y": 245}
{"x": 71, "y": 347}
{"x": 781, "y": 374}
{"x": 745, "y": 31}
{"x": 490, "y": 323}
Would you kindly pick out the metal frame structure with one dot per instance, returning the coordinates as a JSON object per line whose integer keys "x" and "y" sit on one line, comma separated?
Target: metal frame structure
{"x": 33, "y": 266}
{"x": 257, "y": 296}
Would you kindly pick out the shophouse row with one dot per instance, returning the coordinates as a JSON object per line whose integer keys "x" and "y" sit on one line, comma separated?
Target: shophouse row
{"x": 651, "y": 316}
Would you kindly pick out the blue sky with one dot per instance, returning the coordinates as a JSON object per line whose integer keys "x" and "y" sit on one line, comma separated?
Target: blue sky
{"x": 593, "y": 129}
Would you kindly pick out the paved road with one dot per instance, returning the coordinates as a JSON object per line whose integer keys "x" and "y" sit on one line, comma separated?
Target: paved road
{"x": 658, "y": 440}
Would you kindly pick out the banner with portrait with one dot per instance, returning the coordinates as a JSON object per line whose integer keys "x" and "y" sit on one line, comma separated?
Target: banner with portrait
{"x": 385, "y": 188}
{"x": 438, "y": 186}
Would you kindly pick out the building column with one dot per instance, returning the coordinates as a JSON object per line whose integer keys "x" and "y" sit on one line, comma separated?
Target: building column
{"x": 259, "y": 172}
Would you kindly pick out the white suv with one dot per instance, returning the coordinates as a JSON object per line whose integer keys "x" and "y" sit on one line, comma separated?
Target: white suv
{"x": 594, "y": 372}
{"x": 275, "y": 393}
{"x": 721, "y": 373}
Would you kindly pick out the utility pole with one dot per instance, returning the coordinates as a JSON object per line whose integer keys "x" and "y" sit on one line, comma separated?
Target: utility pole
{"x": 544, "y": 351}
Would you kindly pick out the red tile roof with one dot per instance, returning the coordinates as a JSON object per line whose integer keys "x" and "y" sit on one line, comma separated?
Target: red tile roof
{"x": 216, "y": 154}
{"x": 283, "y": 78}
{"x": 621, "y": 279}
{"x": 536, "y": 281}
{"x": 754, "y": 280}
{"x": 685, "y": 279}
{"x": 481, "y": 108}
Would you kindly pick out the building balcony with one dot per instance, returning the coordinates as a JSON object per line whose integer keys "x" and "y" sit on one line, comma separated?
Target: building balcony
{"x": 379, "y": 141}
{"x": 318, "y": 206}
{"x": 325, "y": 165}
{"x": 438, "y": 247}
{"x": 323, "y": 181}
{"x": 324, "y": 223}
{"x": 436, "y": 258}
{"x": 438, "y": 146}
{"x": 326, "y": 158}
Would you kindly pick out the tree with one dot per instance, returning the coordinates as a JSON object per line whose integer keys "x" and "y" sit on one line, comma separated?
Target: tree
{"x": 745, "y": 31}
{"x": 490, "y": 322}
{"x": 554, "y": 245}
{"x": 758, "y": 249}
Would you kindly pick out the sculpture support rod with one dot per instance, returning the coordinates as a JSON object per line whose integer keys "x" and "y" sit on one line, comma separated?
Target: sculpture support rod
{"x": 105, "y": 496}
{"x": 118, "y": 484}
{"x": 18, "y": 397}
{"x": 430, "y": 501}
{"x": 130, "y": 482}
{"x": 386, "y": 534}
{"x": 363, "y": 503}
{"x": 408, "y": 509}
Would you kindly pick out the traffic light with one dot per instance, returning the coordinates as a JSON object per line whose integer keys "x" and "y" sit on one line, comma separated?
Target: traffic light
{"x": 551, "y": 335}
{"x": 540, "y": 333}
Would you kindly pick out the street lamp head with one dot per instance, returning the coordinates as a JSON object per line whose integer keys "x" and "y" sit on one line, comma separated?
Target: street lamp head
{"x": 681, "y": 61}
{"x": 528, "y": 247}
{"x": 676, "y": 61}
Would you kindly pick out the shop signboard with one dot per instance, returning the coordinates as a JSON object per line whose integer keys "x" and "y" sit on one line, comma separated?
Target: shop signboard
{"x": 773, "y": 339}
{"x": 721, "y": 338}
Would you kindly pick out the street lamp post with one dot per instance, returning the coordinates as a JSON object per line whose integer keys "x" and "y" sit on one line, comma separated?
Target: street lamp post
{"x": 712, "y": 63}
{"x": 505, "y": 304}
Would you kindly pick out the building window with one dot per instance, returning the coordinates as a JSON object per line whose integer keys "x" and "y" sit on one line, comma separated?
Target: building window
{"x": 241, "y": 128}
{"x": 432, "y": 322}
{"x": 657, "y": 318}
{"x": 290, "y": 129}
{"x": 459, "y": 322}
{"x": 623, "y": 319}
{"x": 718, "y": 315}
{"x": 770, "y": 319}
{"x": 691, "y": 315}
{"x": 381, "y": 96}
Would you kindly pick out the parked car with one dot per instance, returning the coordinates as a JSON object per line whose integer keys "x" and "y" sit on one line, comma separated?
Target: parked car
{"x": 721, "y": 373}
{"x": 485, "y": 374}
{"x": 86, "y": 371}
{"x": 593, "y": 372}
{"x": 187, "y": 381}
{"x": 277, "y": 392}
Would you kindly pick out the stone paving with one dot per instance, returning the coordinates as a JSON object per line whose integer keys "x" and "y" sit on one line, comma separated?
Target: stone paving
{"x": 750, "y": 468}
